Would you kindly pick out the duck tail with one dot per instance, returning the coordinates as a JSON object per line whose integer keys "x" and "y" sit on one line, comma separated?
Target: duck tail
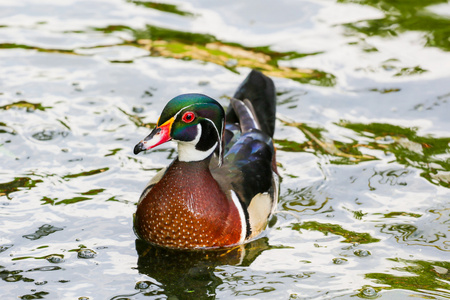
{"x": 258, "y": 93}
{"x": 246, "y": 114}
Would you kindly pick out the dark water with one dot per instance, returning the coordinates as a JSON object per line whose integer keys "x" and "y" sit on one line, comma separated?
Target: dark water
{"x": 362, "y": 137}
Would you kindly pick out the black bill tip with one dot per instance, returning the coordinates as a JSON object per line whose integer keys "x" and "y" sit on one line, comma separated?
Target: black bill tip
{"x": 139, "y": 148}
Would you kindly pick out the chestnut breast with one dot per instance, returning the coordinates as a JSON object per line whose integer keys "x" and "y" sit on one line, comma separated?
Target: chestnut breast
{"x": 188, "y": 209}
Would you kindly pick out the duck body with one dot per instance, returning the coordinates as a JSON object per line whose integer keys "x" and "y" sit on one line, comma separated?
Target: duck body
{"x": 188, "y": 209}
{"x": 222, "y": 188}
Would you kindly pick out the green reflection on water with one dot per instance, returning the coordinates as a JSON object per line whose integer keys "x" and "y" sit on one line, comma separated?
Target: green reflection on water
{"x": 430, "y": 275}
{"x": 54, "y": 201}
{"x": 402, "y": 214}
{"x": 169, "y": 43}
{"x": 13, "y": 276}
{"x": 19, "y": 183}
{"x": 86, "y": 173}
{"x": 38, "y": 257}
{"x": 93, "y": 192}
{"x": 138, "y": 121}
{"x": 341, "y": 153}
{"x": 326, "y": 228}
{"x": 300, "y": 200}
{"x": 427, "y": 153}
{"x": 26, "y": 47}
{"x": 402, "y": 16}
{"x": 205, "y": 47}
{"x": 165, "y": 7}
{"x": 113, "y": 152}
{"x": 410, "y": 149}
{"x": 410, "y": 71}
{"x": 37, "y": 295}
{"x": 6, "y": 129}
{"x": 24, "y": 104}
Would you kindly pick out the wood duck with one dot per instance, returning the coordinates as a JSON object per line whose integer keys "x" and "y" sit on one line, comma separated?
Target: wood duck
{"x": 223, "y": 187}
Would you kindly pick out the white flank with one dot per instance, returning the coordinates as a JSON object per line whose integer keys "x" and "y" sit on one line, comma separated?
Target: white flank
{"x": 258, "y": 212}
{"x": 238, "y": 205}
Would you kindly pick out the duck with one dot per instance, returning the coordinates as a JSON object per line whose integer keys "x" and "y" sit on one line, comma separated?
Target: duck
{"x": 222, "y": 188}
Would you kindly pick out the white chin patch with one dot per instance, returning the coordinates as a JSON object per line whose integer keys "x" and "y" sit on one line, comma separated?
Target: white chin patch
{"x": 187, "y": 151}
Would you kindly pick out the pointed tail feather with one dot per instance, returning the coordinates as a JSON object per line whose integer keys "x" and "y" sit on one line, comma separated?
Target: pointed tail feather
{"x": 246, "y": 114}
{"x": 260, "y": 91}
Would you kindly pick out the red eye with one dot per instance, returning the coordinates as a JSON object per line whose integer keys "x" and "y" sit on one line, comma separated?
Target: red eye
{"x": 188, "y": 117}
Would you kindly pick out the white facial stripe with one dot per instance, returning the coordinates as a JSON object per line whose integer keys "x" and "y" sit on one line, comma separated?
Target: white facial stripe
{"x": 219, "y": 135}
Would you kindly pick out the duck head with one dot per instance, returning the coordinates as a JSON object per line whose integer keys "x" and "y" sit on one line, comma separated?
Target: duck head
{"x": 195, "y": 122}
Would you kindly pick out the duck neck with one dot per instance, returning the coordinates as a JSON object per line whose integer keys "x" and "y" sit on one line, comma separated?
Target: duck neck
{"x": 188, "y": 152}
{"x": 193, "y": 166}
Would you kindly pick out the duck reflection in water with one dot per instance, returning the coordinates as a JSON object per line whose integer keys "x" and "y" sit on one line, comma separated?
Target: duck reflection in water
{"x": 191, "y": 274}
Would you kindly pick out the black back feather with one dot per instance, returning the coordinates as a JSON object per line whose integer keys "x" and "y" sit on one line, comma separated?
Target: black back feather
{"x": 260, "y": 91}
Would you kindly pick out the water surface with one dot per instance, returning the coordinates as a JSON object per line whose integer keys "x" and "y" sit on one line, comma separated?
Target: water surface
{"x": 362, "y": 143}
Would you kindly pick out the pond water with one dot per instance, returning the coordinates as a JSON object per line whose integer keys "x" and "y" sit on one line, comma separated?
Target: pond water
{"x": 362, "y": 141}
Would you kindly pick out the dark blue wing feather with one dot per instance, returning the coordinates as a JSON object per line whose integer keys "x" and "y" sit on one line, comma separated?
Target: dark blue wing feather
{"x": 247, "y": 167}
{"x": 249, "y": 152}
